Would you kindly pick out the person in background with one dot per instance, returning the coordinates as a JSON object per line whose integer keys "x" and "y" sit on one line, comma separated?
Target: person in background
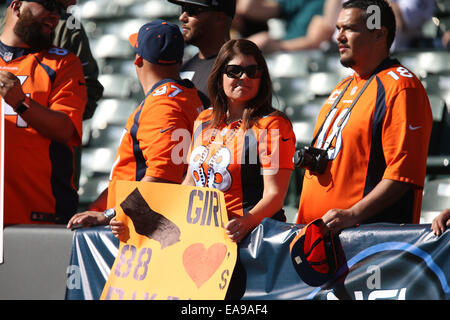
{"x": 411, "y": 16}
{"x": 372, "y": 134}
{"x": 206, "y": 25}
{"x": 146, "y": 150}
{"x": 296, "y": 14}
{"x": 44, "y": 96}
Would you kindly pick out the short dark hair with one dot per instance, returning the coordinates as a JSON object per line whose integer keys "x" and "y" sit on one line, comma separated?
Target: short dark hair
{"x": 387, "y": 15}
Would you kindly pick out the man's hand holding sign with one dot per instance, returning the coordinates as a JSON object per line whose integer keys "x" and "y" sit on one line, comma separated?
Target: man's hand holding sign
{"x": 172, "y": 249}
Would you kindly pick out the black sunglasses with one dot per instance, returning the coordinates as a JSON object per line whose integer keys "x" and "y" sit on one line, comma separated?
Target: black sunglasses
{"x": 53, "y": 5}
{"x": 234, "y": 71}
{"x": 194, "y": 10}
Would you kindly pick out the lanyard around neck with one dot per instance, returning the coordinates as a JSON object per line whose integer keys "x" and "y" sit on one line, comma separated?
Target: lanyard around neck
{"x": 347, "y": 112}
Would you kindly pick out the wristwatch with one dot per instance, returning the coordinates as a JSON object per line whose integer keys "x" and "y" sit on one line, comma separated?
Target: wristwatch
{"x": 22, "y": 107}
{"x": 109, "y": 214}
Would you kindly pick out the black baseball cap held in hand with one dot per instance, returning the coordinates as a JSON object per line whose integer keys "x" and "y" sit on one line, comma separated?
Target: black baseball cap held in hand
{"x": 315, "y": 254}
{"x": 227, "y": 6}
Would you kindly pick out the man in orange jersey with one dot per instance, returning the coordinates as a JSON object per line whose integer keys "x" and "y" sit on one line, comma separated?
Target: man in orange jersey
{"x": 43, "y": 93}
{"x": 150, "y": 146}
{"x": 374, "y": 128}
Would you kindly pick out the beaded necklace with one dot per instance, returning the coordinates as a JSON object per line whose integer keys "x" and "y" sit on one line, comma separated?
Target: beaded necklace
{"x": 213, "y": 159}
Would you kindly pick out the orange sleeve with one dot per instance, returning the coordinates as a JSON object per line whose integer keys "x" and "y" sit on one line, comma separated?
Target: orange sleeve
{"x": 406, "y": 134}
{"x": 277, "y": 144}
{"x": 69, "y": 94}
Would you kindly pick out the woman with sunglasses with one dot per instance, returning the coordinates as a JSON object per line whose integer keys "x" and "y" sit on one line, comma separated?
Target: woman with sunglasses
{"x": 242, "y": 145}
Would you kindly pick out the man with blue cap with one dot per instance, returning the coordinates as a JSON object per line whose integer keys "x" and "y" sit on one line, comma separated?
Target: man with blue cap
{"x": 148, "y": 151}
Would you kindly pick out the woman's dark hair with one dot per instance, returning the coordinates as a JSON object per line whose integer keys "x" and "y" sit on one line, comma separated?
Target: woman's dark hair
{"x": 260, "y": 105}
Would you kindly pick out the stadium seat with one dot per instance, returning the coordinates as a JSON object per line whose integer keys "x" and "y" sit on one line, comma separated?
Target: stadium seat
{"x": 306, "y": 111}
{"x": 438, "y": 109}
{"x": 437, "y": 106}
{"x": 443, "y": 7}
{"x": 276, "y": 27}
{"x": 444, "y": 24}
{"x": 100, "y": 9}
{"x": 436, "y": 197}
{"x": 154, "y": 9}
{"x": 278, "y": 102}
{"x": 119, "y": 86}
{"x": 438, "y": 165}
{"x": 446, "y": 96}
{"x": 86, "y": 132}
{"x": 332, "y": 63}
{"x": 294, "y": 91}
{"x": 112, "y": 46}
{"x": 288, "y": 64}
{"x": 291, "y": 212}
{"x": 423, "y": 63}
{"x": 97, "y": 160}
{"x": 434, "y": 61}
{"x": 108, "y": 137}
{"x": 320, "y": 84}
{"x": 118, "y": 66}
{"x": 124, "y": 27}
{"x": 303, "y": 119}
{"x": 90, "y": 188}
{"x": 113, "y": 112}
{"x": 303, "y": 131}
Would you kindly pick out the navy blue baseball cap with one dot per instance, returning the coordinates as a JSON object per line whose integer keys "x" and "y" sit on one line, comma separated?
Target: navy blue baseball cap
{"x": 315, "y": 254}
{"x": 159, "y": 42}
{"x": 227, "y": 6}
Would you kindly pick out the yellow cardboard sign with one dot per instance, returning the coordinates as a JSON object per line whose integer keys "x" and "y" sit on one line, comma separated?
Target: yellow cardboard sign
{"x": 175, "y": 246}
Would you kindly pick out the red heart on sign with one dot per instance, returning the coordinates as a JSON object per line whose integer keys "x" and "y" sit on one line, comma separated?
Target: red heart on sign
{"x": 200, "y": 264}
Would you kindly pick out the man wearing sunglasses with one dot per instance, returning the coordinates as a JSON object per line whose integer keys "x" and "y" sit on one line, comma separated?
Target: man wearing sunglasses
{"x": 206, "y": 25}
{"x": 43, "y": 95}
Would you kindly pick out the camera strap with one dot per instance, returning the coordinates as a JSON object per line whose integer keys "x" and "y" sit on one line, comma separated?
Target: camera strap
{"x": 338, "y": 99}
